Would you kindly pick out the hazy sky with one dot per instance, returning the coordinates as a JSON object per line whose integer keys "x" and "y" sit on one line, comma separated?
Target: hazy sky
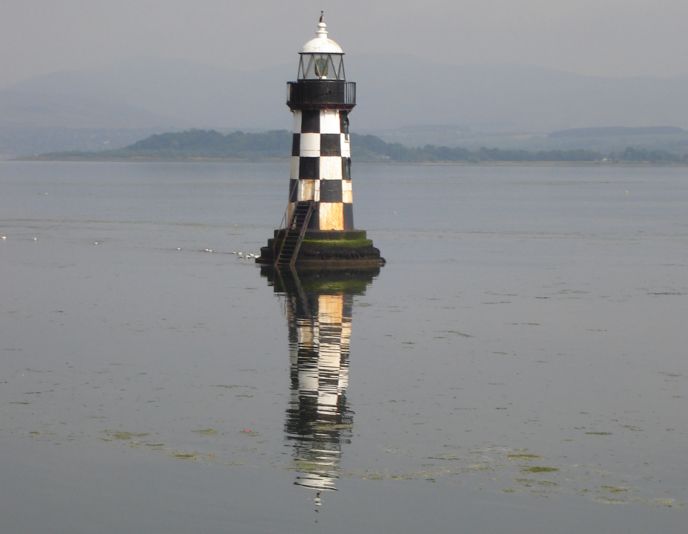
{"x": 607, "y": 37}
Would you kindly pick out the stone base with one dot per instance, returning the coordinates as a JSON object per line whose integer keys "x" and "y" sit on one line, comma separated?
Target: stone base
{"x": 327, "y": 250}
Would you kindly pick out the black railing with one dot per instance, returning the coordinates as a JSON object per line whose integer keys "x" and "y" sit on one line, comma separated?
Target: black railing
{"x": 316, "y": 94}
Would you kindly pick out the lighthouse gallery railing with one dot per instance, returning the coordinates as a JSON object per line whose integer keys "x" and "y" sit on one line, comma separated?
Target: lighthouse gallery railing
{"x": 316, "y": 94}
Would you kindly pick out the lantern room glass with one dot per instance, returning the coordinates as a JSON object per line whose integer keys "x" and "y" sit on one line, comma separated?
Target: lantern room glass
{"x": 321, "y": 67}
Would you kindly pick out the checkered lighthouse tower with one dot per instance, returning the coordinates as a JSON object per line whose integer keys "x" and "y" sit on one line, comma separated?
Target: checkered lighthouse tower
{"x": 318, "y": 226}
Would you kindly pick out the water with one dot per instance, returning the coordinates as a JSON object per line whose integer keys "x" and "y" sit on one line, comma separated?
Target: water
{"x": 517, "y": 366}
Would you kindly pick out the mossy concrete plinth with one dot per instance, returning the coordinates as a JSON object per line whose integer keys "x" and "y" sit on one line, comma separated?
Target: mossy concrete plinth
{"x": 327, "y": 250}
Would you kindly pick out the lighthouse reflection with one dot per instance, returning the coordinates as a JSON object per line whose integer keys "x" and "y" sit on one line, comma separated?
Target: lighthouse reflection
{"x": 319, "y": 419}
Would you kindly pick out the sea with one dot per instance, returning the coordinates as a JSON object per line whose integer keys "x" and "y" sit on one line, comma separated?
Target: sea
{"x": 519, "y": 365}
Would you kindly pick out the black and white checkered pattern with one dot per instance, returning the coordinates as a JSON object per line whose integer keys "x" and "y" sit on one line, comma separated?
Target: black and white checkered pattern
{"x": 319, "y": 369}
{"x": 321, "y": 167}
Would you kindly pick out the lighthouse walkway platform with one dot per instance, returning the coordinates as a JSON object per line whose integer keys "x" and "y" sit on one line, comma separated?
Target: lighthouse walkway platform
{"x": 325, "y": 250}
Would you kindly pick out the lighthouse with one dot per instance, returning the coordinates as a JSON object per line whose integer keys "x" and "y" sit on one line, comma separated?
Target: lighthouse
{"x": 318, "y": 223}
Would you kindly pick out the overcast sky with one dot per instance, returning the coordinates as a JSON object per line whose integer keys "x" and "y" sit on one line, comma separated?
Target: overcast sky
{"x": 605, "y": 37}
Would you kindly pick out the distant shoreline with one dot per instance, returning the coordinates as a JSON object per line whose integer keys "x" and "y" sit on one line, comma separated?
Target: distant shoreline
{"x": 276, "y": 145}
{"x": 444, "y": 163}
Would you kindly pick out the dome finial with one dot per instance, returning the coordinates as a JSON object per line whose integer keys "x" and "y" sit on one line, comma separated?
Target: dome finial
{"x": 322, "y": 27}
{"x": 321, "y": 43}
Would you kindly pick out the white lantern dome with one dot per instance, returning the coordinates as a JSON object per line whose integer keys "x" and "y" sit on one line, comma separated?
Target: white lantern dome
{"x": 321, "y": 44}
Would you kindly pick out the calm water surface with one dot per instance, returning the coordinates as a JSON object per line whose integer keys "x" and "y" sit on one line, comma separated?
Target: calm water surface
{"x": 518, "y": 366}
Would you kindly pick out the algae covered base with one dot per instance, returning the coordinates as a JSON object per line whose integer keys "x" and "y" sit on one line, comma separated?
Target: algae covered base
{"x": 327, "y": 250}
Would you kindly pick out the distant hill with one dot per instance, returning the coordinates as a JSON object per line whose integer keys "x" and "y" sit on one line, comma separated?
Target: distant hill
{"x": 617, "y": 131}
{"x": 210, "y": 144}
{"x": 393, "y": 92}
{"x": 213, "y": 144}
{"x": 27, "y": 110}
{"x": 172, "y": 92}
{"x": 33, "y": 141}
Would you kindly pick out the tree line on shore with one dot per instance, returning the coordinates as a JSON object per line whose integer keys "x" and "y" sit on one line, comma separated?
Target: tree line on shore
{"x": 198, "y": 144}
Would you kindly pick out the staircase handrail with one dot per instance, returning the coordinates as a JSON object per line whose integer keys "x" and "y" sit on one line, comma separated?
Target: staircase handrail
{"x": 302, "y": 234}
{"x": 285, "y": 215}
{"x": 283, "y": 223}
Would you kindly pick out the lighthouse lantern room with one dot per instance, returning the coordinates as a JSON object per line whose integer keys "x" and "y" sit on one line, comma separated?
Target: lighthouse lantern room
{"x": 319, "y": 222}
{"x": 321, "y": 57}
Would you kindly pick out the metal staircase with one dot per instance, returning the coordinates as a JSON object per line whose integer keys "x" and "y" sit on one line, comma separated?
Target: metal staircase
{"x": 294, "y": 234}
